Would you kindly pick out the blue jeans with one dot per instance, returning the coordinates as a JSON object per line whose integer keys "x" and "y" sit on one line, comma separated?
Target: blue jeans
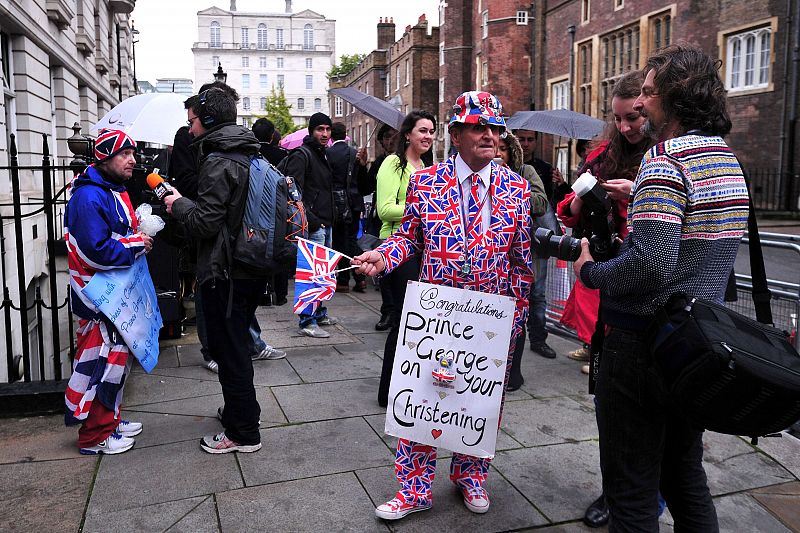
{"x": 537, "y": 320}
{"x": 644, "y": 446}
{"x": 322, "y": 236}
{"x": 257, "y": 345}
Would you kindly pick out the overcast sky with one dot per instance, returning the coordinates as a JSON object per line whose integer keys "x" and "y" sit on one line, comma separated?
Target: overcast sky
{"x": 168, "y": 28}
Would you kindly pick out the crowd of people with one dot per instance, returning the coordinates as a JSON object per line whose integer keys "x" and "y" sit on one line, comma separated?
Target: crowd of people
{"x": 660, "y": 159}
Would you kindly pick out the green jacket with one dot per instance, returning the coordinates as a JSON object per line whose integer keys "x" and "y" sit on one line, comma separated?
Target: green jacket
{"x": 391, "y": 194}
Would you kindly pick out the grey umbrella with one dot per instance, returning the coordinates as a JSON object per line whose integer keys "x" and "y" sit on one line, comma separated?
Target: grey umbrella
{"x": 562, "y": 122}
{"x": 369, "y": 105}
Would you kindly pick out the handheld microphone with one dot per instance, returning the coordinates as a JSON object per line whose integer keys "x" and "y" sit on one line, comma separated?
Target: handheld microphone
{"x": 160, "y": 187}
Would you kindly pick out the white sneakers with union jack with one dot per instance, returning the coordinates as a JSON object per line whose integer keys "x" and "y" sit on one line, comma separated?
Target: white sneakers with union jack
{"x": 397, "y": 508}
{"x": 476, "y": 499}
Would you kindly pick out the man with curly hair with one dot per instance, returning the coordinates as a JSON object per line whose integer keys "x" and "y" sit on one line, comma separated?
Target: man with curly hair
{"x": 687, "y": 214}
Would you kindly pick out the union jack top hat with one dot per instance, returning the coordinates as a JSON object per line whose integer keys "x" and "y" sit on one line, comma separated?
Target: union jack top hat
{"x": 478, "y": 107}
{"x": 111, "y": 142}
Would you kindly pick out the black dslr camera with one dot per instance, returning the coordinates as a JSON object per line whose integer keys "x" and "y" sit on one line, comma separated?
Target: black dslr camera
{"x": 603, "y": 242}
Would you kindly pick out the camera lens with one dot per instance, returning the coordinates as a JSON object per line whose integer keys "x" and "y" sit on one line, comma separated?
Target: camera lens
{"x": 546, "y": 244}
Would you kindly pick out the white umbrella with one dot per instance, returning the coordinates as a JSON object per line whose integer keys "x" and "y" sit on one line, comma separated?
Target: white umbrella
{"x": 151, "y": 117}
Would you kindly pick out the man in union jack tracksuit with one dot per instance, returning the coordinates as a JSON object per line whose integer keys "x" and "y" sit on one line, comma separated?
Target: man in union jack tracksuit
{"x": 101, "y": 232}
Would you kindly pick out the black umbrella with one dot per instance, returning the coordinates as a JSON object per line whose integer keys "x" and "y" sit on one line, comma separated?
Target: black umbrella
{"x": 369, "y": 105}
{"x": 562, "y": 122}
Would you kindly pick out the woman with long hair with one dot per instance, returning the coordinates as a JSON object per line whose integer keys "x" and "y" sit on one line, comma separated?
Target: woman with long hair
{"x": 412, "y": 152}
{"x": 614, "y": 161}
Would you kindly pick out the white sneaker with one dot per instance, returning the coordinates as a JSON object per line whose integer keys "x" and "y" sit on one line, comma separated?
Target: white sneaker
{"x": 212, "y": 366}
{"x": 269, "y": 353}
{"x": 126, "y": 428}
{"x": 114, "y": 444}
{"x": 219, "y": 443}
{"x": 313, "y": 330}
{"x": 327, "y": 321}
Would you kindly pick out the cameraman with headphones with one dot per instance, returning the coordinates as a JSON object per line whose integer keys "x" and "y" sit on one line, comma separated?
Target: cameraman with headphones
{"x": 230, "y": 294}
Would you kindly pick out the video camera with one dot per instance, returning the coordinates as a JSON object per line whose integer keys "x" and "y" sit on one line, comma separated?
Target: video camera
{"x": 603, "y": 242}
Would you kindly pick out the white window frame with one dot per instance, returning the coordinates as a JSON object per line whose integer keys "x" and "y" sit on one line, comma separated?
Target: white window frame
{"x": 408, "y": 73}
{"x": 214, "y": 35}
{"x": 245, "y": 81}
{"x": 338, "y": 106}
{"x": 561, "y": 159}
{"x": 441, "y": 90}
{"x": 317, "y": 104}
{"x": 262, "y": 61}
{"x": 245, "y": 37}
{"x": 309, "y": 63}
{"x": 309, "y": 82}
{"x": 281, "y": 81}
{"x": 262, "y": 36}
{"x": 397, "y": 75}
{"x": 262, "y": 81}
{"x": 279, "y": 38}
{"x": 308, "y": 37}
{"x": 736, "y": 60}
{"x": 485, "y": 74}
{"x": 559, "y": 95}
{"x": 301, "y": 104}
{"x": 214, "y": 61}
{"x": 485, "y": 24}
{"x": 586, "y": 11}
{"x": 262, "y": 104}
{"x": 246, "y": 103}
{"x": 245, "y": 62}
{"x": 522, "y": 18}
{"x": 441, "y": 53}
{"x": 279, "y": 62}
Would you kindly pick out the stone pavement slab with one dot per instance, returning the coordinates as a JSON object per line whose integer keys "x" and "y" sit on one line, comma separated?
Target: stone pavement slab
{"x": 314, "y": 449}
{"x": 560, "y": 480}
{"x": 325, "y": 503}
{"x": 190, "y": 514}
{"x": 330, "y": 399}
{"x": 732, "y": 465}
{"x": 545, "y": 378}
{"x": 152, "y": 388}
{"x": 40, "y": 438}
{"x": 785, "y": 450}
{"x": 740, "y": 512}
{"x": 509, "y": 509}
{"x": 549, "y": 421}
{"x": 160, "y": 474}
{"x": 314, "y": 364}
{"x": 45, "y": 495}
{"x": 783, "y": 501}
{"x": 374, "y": 341}
{"x": 168, "y": 428}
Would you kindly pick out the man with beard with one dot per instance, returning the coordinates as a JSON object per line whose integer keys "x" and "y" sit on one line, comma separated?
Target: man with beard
{"x": 687, "y": 214}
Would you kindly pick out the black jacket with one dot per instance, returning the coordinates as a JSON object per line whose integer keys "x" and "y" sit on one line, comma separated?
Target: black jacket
{"x": 221, "y": 197}
{"x": 339, "y": 155}
{"x": 273, "y": 153}
{"x": 313, "y": 176}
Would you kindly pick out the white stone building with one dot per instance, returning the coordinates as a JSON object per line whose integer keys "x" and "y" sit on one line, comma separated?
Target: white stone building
{"x": 259, "y": 51}
{"x": 63, "y": 61}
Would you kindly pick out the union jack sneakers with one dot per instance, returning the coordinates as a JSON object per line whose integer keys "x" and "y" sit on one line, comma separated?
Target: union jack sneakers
{"x": 476, "y": 499}
{"x": 397, "y": 508}
{"x": 114, "y": 444}
{"x": 219, "y": 443}
{"x": 126, "y": 428}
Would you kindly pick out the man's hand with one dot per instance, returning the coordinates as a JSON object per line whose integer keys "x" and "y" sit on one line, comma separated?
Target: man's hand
{"x": 619, "y": 189}
{"x": 170, "y": 199}
{"x": 147, "y": 240}
{"x": 369, "y": 263}
{"x": 361, "y": 156}
{"x": 584, "y": 257}
{"x": 558, "y": 179}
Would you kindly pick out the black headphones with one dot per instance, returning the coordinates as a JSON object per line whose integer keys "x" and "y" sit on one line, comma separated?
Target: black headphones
{"x": 206, "y": 119}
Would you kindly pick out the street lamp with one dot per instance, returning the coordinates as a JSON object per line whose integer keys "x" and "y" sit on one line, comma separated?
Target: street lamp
{"x": 220, "y": 75}
{"x": 134, "y": 33}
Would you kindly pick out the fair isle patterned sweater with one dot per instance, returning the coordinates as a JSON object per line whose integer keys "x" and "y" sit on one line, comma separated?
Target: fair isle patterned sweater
{"x": 687, "y": 214}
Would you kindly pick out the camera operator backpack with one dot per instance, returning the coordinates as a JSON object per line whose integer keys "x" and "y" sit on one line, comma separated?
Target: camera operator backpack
{"x": 274, "y": 217}
{"x": 724, "y": 371}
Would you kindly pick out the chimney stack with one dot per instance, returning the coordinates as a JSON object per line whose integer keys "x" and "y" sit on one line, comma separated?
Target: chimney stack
{"x": 233, "y": 5}
{"x": 385, "y": 33}
{"x": 288, "y": 6}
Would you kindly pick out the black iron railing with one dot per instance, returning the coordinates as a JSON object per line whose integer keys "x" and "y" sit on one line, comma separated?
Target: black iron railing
{"x": 773, "y": 191}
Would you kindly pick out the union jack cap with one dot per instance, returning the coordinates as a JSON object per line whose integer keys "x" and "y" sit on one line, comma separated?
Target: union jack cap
{"x": 478, "y": 107}
{"x": 111, "y": 142}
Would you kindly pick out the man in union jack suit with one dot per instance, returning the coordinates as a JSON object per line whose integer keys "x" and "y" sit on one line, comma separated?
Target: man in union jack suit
{"x": 102, "y": 233}
{"x": 469, "y": 218}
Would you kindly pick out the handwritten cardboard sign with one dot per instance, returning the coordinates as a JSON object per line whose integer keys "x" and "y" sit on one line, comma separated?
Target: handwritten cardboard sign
{"x": 127, "y": 297}
{"x": 449, "y": 368}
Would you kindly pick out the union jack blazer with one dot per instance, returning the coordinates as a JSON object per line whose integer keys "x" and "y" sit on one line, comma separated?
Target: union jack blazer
{"x": 500, "y": 264}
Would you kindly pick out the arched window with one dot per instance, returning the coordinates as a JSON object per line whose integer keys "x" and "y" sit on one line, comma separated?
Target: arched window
{"x": 301, "y": 104}
{"x": 317, "y": 104}
{"x": 246, "y": 103}
{"x": 308, "y": 37}
{"x": 214, "y": 39}
{"x": 262, "y": 36}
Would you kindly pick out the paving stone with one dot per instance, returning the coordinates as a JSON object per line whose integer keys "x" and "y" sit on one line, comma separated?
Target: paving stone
{"x": 546, "y": 378}
{"x": 334, "y": 399}
{"x": 201, "y": 519}
{"x": 374, "y": 341}
{"x": 206, "y": 406}
{"x": 509, "y": 509}
{"x": 783, "y": 501}
{"x": 151, "y": 388}
{"x": 561, "y": 480}
{"x": 45, "y": 496}
{"x": 158, "y": 517}
{"x": 161, "y": 473}
{"x": 315, "y": 449}
{"x": 740, "y": 512}
{"x": 732, "y": 465}
{"x": 785, "y": 450}
{"x": 549, "y": 421}
{"x": 315, "y": 365}
{"x": 167, "y": 358}
{"x": 190, "y": 354}
{"x": 163, "y": 428}
{"x": 37, "y": 439}
{"x": 325, "y": 503}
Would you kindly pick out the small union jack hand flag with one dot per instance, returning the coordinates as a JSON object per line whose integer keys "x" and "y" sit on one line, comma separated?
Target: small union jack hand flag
{"x": 315, "y": 279}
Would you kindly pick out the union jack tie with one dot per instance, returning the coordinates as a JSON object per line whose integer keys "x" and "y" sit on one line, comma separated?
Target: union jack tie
{"x": 474, "y": 218}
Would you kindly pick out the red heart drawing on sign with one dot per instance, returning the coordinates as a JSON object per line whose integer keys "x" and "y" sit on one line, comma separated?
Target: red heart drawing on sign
{"x": 436, "y": 433}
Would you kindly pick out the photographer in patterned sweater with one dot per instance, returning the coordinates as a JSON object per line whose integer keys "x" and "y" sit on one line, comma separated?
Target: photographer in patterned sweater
{"x": 687, "y": 214}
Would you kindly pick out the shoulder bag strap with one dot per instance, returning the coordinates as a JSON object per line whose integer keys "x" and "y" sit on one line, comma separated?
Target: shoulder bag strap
{"x": 761, "y": 293}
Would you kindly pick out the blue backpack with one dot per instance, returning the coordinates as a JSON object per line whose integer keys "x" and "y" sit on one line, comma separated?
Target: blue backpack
{"x": 274, "y": 217}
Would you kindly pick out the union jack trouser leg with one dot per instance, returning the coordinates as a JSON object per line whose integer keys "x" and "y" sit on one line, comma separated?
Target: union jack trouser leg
{"x": 415, "y": 467}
